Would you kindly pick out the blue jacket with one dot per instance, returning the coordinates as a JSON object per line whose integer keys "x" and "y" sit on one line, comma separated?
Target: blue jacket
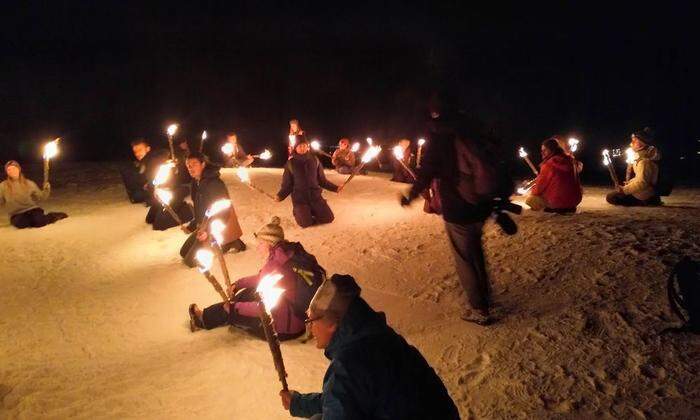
{"x": 374, "y": 374}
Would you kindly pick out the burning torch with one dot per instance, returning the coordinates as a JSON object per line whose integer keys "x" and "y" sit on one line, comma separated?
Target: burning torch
{"x": 245, "y": 178}
{"x": 399, "y": 154}
{"x": 265, "y": 155}
{"x": 165, "y": 196}
{"x": 267, "y": 296}
{"x": 523, "y": 155}
{"x": 630, "y": 158}
{"x": 201, "y": 143}
{"x": 419, "y": 157}
{"x": 370, "y": 154}
{"x": 607, "y": 161}
{"x": 204, "y": 259}
{"x": 172, "y": 129}
{"x": 316, "y": 146}
{"x": 50, "y": 151}
{"x": 355, "y": 147}
{"x": 217, "y": 228}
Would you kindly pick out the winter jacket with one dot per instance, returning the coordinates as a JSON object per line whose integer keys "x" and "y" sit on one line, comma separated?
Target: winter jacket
{"x": 466, "y": 181}
{"x": 558, "y": 183}
{"x": 303, "y": 178}
{"x": 205, "y": 192}
{"x": 343, "y": 158}
{"x": 286, "y": 319}
{"x": 21, "y": 196}
{"x": 646, "y": 174}
{"x": 374, "y": 374}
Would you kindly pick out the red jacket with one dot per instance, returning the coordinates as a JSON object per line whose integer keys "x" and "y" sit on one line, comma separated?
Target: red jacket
{"x": 558, "y": 183}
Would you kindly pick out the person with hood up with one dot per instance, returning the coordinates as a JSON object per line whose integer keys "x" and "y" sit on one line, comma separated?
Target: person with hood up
{"x": 20, "y": 196}
{"x": 206, "y": 189}
{"x": 301, "y": 277}
{"x": 557, "y": 187}
{"x": 374, "y": 373}
{"x": 640, "y": 190}
{"x": 304, "y": 178}
{"x": 343, "y": 158}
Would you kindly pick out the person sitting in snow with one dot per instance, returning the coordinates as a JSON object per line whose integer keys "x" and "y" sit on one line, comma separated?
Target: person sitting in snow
{"x": 20, "y": 196}
{"x": 238, "y": 156}
{"x": 303, "y": 178}
{"x": 557, "y": 188}
{"x": 301, "y": 276}
{"x": 400, "y": 173}
{"x": 344, "y": 158}
{"x": 374, "y": 373}
{"x": 206, "y": 189}
{"x": 641, "y": 189}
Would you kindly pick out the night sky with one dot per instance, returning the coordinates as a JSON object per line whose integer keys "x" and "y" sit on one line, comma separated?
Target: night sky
{"x": 101, "y": 73}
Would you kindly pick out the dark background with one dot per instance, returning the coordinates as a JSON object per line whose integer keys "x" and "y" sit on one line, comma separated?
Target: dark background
{"x": 99, "y": 74}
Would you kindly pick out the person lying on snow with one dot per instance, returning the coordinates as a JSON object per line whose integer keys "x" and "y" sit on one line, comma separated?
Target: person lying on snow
{"x": 641, "y": 189}
{"x": 373, "y": 373}
{"x": 344, "y": 158}
{"x": 20, "y": 196}
{"x": 557, "y": 188}
{"x": 208, "y": 188}
{"x": 303, "y": 178}
{"x": 301, "y": 277}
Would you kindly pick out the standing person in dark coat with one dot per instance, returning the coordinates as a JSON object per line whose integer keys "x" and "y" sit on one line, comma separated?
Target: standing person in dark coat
{"x": 374, "y": 373}
{"x": 459, "y": 160}
{"x": 207, "y": 188}
{"x": 304, "y": 178}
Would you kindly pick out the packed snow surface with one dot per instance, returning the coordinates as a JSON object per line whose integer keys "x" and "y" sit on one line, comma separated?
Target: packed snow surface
{"x": 94, "y": 308}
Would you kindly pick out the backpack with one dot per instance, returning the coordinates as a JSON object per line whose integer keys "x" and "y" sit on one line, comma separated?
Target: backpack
{"x": 665, "y": 181}
{"x": 684, "y": 294}
{"x": 309, "y": 276}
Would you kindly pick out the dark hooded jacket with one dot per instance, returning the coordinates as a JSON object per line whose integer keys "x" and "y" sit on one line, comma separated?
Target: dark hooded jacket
{"x": 304, "y": 178}
{"x": 375, "y": 374}
{"x": 205, "y": 192}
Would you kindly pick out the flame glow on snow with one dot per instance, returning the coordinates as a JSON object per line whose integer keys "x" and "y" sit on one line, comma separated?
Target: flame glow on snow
{"x": 51, "y": 149}
{"x": 227, "y": 149}
{"x": 243, "y": 174}
{"x": 371, "y": 153}
{"x": 267, "y": 290}
{"x": 163, "y": 173}
{"x": 204, "y": 259}
{"x": 216, "y": 228}
{"x": 522, "y": 153}
{"x": 218, "y": 206}
{"x": 172, "y": 129}
{"x": 164, "y": 195}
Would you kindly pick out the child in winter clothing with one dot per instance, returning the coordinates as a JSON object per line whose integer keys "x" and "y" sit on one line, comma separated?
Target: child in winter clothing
{"x": 557, "y": 188}
{"x": 21, "y": 195}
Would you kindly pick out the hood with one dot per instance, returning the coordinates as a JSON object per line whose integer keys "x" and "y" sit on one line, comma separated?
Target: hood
{"x": 562, "y": 162}
{"x": 360, "y": 321}
{"x": 280, "y": 254}
{"x": 651, "y": 153}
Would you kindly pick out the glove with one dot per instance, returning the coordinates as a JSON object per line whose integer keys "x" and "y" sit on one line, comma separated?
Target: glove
{"x": 404, "y": 200}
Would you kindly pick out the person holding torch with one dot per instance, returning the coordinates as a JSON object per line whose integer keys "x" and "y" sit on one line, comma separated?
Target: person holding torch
{"x": 641, "y": 189}
{"x": 234, "y": 155}
{"x": 301, "y": 277}
{"x": 373, "y": 373}
{"x": 207, "y": 188}
{"x": 20, "y": 197}
{"x": 343, "y": 158}
{"x": 557, "y": 188}
{"x": 303, "y": 178}
{"x": 402, "y": 162}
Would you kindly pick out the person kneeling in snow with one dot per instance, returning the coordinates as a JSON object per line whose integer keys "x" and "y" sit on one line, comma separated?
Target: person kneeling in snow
{"x": 344, "y": 158}
{"x": 208, "y": 188}
{"x": 301, "y": 277}
{"x": 640, "y": 190}
{"x": 557, "y": 188}
{"x": 303, "y": 178}
{"x": 374, "y": 373}
{"x": 20, "y": 195}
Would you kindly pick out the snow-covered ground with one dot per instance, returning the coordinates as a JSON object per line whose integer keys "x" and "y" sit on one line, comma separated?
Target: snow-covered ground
{"x": 94, "y": 308}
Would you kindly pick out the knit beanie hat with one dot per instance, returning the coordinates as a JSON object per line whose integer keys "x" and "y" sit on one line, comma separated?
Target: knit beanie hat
{"x": 271, "y": 232}
{"x": 12, "y": 163}
{"x": 335, "y": 295}
{"x": 646, "y": 136}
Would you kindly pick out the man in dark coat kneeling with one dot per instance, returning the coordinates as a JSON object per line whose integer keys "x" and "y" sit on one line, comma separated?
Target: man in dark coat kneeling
{"x": 374, "y": 373}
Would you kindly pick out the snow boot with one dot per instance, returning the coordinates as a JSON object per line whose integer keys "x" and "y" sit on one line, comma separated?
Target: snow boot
{"x": 195, "y": 321}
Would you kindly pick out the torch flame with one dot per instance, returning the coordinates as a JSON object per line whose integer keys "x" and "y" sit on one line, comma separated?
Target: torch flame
{"x": 227, "y": 149}
{"x": 164, "y": 195}
{"x": 522, "y": 190}
{"x": 204, "y": 259}
{"x": 243, "y": 174}
{"x": 204, "y": 135}
{"x": 606, "y": 157}
{"x": 51, "y": 149}
{"x": 522, "y": 152}
{"x": 371, "y": 153}
{"x": 369, "y": 141}
{"x": 398, "y": 152}
{"x": 163, "y": 173}
{"x": 355, "y": 147}
{"x": 218, "y": 206}
{"x": 217, "y": 227}
{"x": 316, "y": 145}
{"x": 573, "y": 144}
{"x": 265, "y": 155}
{"x": 292, "y": 140}
{"x": 421, "y": 142}
{"x": 172, "y": 129}
{"x": 631, "y": 156}
{"x": 267, "y": 290}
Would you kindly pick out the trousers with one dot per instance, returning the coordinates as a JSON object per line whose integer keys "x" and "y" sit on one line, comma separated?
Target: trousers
{"x": 34, "y": 218}
{"x": 315, "y": 213}
{"x": 465, "y": 241}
